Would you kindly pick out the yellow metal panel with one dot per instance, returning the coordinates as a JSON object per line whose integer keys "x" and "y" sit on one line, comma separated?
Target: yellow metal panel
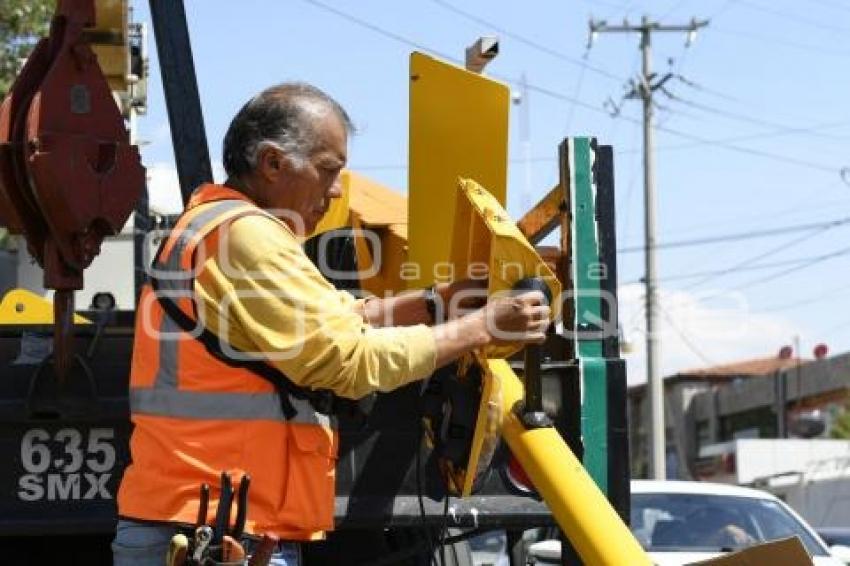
{"x": 458, "y": 128}
{"x": 484, "y": 234}
{"x": 376, "y": 204}
{"x": 383, "y": 211}
{"x": 581, "y": 510}
{"x": 366, "y": 205}
{"x": 20, "y": 306}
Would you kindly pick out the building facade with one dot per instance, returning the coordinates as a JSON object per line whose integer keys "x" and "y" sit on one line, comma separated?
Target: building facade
{"x": 762, "y": 398}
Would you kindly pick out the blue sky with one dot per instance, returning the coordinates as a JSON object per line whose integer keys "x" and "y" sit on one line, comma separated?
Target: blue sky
{"x": 754, "y": 137}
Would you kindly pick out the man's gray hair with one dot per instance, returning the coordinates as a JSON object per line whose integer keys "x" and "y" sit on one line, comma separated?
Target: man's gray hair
{"x": 283, "y": 116}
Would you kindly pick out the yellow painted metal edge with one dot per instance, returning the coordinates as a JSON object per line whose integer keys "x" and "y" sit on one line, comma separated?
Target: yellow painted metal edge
{"x": 23, "y": 307}
{"x": 579, "y": 507}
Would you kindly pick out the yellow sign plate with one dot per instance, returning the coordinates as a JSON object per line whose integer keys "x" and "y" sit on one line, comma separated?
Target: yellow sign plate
{"x": 458, "y": 128}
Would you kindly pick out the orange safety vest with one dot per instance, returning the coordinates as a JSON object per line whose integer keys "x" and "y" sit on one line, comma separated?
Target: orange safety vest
{"x": 196, "y": 415}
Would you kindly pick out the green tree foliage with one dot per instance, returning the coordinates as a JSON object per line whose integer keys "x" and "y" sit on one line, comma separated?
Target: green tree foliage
{"x": 22, "y": 23}
{"x": 841, "y": 425}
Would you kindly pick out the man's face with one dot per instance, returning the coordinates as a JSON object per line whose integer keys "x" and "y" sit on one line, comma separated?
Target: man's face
{"x": 302, "y": 195}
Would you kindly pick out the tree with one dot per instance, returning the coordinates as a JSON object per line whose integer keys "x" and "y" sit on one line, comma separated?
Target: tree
{"x": 841, "y": 424}
{"x": 22, "y": 23}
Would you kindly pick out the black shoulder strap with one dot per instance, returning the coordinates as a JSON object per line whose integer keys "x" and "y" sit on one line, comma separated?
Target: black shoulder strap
{"x": 321, "y": 400}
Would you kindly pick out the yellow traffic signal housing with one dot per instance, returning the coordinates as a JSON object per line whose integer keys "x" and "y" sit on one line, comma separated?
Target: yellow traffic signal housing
{"x": 108, "y": 39}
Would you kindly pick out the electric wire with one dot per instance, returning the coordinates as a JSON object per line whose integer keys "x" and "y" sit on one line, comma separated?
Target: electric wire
{"x": 765, "y": 135}
{"x": 526, "y": 41}
{"x": 834, "y": 5}
{"x": 738, "y": 236}
{"x": 796, "y": 18}
{"x": 631, "y": 188}
{"x": 558, "y": 96}
{"x": 808, "y": 301}
{"x": 576, "y": 94}
{"x": 839, "y": 326}
{"x": 633, "y": 150}
{"x": 761, "y": 38}
{"x": 615, "y": 6}
{"x": 685, "y": 339}
{"x": 720, "y": 10}
{"x": 811, "y": 130}
{"x": 575, "y": 101}
{"x": 773, "y": 276}
{"x": 772, "y": 251}
{"x": 718, "y": 272}
{"x": 704, "y": 89}
{"x": 672, "y": 9}
{"x": 796, "y": 210}
{"x": 701, "y": 140}
{"x": 756, "y": 152}
{"x": 381, "y": 31}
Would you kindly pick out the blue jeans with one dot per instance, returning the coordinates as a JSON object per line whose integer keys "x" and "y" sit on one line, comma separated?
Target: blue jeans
{"x": 146, "y": 544}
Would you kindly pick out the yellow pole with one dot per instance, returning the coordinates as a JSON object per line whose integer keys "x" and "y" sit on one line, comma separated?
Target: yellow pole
{"x": 581, "y": 510}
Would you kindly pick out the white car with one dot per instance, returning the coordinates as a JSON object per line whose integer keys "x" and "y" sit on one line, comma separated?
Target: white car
{"x": 681, "y": 522}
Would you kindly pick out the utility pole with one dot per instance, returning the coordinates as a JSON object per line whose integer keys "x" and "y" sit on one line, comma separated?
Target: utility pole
{"x": 644, "y": 90}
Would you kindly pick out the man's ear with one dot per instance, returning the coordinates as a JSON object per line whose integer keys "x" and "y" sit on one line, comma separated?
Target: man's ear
{"x": 270, "y": 163}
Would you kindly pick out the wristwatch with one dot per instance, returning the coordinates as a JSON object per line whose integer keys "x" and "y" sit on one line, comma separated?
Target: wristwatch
{"x": 431, "y": 297}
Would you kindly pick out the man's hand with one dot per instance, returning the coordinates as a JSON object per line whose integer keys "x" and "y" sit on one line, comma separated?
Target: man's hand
{"x": 520, "y": 318}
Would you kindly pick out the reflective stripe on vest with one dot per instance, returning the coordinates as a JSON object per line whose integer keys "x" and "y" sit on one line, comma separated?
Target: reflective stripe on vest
{"x": 174, "y": 272}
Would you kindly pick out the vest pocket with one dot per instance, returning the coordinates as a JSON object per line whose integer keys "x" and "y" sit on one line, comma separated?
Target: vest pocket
{"x": 310, "y": 485}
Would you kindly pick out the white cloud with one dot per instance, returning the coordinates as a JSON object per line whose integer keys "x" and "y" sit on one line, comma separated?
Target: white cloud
{"x": 699, "y": 330}
{"x": 164, "y": 189}
{"x": 164, "y": 186}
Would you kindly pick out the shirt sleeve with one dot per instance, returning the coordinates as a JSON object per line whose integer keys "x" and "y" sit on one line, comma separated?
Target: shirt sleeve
{"x": 263, "y": 295}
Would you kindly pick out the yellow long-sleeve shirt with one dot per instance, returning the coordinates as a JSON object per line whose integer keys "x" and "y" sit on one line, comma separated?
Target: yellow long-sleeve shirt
{"x": 262, "y": 294}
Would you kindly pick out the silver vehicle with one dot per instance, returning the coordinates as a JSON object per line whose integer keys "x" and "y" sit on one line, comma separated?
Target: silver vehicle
{"x": 684, "y": 522}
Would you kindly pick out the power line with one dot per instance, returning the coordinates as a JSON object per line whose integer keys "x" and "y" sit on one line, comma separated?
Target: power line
{"x": 756, "y": 121}
{"x": 793, "y": 17}
{"x": 558, "y": 96}
{"x": 751, "y": 151}
{"x": 401, "y": 166}
{"x": 738, "y": 236}
{"x": 781, "y": 41}
{"x": 697, "y": 139}
{"x": 526, "y": 41}
{"x": 772, "y": 251}
{"x": 381, "y": 31}
{"x": 672, "y": 9}
{"x": 774, "y": 276}
{"x": 717, "y": 272}
{"x": 793, "y": 211}
{"x": 839, "y": 326}
{"x": 721, "y": 9}
{"x": 766, "y": 135}
{"x": 576, "y": 93}
{"x": 811, "y": 300}
{"x": 834, "y": 5}
{"x": 702, "y": 88}
{"x": 687, "y": 341}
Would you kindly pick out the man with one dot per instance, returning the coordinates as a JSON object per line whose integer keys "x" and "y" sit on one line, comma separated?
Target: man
{"x": 239, "y": 332}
